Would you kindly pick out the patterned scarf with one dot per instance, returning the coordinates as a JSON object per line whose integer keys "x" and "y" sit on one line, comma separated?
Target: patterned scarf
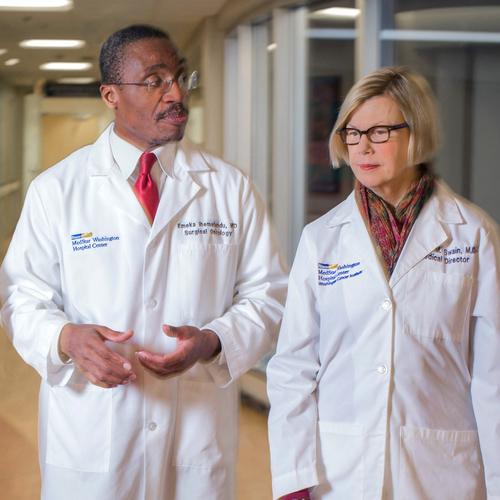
{"x": 390, "y": 226}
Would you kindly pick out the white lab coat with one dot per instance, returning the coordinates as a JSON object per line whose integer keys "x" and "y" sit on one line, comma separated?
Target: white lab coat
{"x": 209, "y": 260}
{"x": 391, "y": 390}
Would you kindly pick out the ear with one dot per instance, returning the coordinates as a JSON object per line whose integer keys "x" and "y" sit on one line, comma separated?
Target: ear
{"x": 109, "y": 95}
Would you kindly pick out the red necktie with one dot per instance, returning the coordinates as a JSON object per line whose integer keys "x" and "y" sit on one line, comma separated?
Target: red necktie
{"x": 145, "y": 187}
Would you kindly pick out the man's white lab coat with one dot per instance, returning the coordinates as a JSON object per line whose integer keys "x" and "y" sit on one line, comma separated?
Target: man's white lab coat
{"x": 391, "y": 389}
{"x": 84, "y": 252}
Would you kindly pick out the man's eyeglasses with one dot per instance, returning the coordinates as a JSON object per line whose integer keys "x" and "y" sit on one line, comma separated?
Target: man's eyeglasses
{"x": 186, "y": 83}
{"x": 377, "y": 134}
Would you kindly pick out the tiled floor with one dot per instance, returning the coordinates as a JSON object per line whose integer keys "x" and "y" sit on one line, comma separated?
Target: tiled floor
{"x": 18, "y": 436}
{"x": 19, "y": 479}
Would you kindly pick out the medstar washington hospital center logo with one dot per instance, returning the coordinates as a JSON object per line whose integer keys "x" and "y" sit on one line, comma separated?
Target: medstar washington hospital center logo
{"x": 88, "y": 241}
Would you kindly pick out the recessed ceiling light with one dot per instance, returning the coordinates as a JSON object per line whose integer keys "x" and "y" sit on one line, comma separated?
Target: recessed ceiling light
{"x": 36, "y": 4}
{"x": 338, "y": 12}
{"x": 66, "y": 66}
{"x": 54, "y": 44}
{"x": 81, "y": 80}
{"x": 2, "y": 51}
{"x": 11, "y": 62}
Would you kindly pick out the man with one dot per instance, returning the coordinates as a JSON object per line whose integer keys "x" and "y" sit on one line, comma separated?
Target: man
{"x": 140, "y": 293}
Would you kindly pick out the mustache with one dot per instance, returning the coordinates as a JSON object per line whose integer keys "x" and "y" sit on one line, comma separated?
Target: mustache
{"x": 173, "y": 111}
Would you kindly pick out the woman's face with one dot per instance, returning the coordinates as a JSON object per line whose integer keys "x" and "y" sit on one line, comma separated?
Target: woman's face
{"x": 383, "y": 168}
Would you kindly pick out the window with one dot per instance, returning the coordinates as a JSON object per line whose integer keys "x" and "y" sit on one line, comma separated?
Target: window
{"x": 457, "y": 49}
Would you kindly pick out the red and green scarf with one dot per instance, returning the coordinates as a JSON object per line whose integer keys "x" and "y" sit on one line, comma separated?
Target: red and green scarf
{"x": 390, "y": 226}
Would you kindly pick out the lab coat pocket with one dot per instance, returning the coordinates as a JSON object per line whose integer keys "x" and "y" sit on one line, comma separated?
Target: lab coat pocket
{"x": 207, "y": 273}
{"x": 437, "y": 305}
{"x": 204, "y": 433}
{"x": 79, "y": 427}
{"x": 341, "y": 468}
{"x": 440, "y": 464}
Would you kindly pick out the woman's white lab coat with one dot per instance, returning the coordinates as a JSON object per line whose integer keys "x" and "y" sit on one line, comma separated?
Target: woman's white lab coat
{"x": 391, "y": 390}
{"x": 83, "y": 251}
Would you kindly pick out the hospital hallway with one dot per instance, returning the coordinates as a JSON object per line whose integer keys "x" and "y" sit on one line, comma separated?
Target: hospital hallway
{"x": 19, "y": 476}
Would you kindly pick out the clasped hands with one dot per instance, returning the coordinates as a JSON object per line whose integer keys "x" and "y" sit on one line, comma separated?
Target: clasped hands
{"x": 86, "y": 346}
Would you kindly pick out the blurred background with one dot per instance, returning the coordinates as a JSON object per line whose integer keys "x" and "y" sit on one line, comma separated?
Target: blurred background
{"x": 273, "y": 75}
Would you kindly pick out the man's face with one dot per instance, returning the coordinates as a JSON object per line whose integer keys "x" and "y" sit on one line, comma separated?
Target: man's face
{"x": 148, "y": 117}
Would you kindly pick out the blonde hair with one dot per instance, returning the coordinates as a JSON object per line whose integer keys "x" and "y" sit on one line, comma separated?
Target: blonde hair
{"x": 414, "y": 97}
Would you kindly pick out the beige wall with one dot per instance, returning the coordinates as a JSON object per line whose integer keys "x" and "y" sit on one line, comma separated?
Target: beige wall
{"x": 56, "y": 126}
{"x": 62, "y": 134}
{"x": 10, "y": 161}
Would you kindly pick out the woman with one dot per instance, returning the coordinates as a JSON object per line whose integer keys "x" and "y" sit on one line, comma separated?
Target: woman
{"x": 386, "y": 380}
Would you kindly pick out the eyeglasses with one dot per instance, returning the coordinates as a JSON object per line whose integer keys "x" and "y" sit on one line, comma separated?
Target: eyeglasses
{"x": 186, "y": 83}
{"x": 377, "y": 134}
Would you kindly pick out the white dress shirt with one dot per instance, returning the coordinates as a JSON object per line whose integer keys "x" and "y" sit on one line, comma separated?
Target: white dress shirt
{"x": 127, "y": 156}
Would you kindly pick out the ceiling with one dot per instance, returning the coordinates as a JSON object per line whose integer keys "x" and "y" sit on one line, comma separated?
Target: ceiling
{"x": 92, "y": 21}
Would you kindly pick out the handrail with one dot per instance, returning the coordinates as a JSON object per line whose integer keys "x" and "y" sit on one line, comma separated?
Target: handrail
{"x": 9, "y": 188}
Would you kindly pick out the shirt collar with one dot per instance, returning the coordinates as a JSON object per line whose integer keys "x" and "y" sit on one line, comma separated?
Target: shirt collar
{"x": 126, "y": 155}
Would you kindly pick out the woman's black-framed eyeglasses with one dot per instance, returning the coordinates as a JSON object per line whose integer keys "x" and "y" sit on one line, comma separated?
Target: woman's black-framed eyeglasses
{"x": 377, "y": 134}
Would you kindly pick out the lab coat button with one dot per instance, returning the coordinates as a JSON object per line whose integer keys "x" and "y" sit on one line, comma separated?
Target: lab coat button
{"x": 152, "y": 426}
{"x": 386, "y": 304}
{"x": 382, "y": 369}
{"x": 152, "y": 304}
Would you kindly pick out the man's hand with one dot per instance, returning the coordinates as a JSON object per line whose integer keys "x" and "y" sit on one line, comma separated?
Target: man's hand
{"x": 193, "y": 345}
{"x": 84, "y": 344}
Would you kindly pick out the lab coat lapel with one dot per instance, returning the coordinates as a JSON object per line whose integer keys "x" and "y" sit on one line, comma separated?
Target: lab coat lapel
{"x": 367, "y": 248}
{"x": 367, "y": 283}
{"x": 111, "y": 187}
{"x": 428, "y": 232}
{"x": 181, "y": 187}
{"x": 358, "y": 245}
{"x": 116, "y": 191}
